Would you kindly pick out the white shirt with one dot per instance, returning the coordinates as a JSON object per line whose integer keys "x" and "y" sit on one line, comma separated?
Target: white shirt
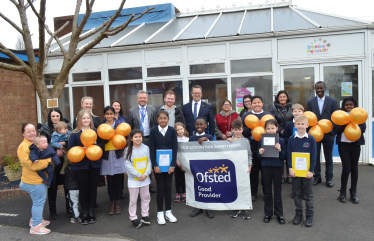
{"x": 257, "y": 113}
{"x": 197, "y": 134}
{"x": 163, "y": 130}
{"x": 146, "y": 122}
{"x": 344, "y": 139}
{"x": 183, "y": 139}
{"x": 301, "y": 137}
{"x": 321, "y": 102}
{"x": 198, "y": 106}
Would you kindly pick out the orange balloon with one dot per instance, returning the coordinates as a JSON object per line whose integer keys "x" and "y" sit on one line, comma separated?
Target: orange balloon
{"x": 317, "y": 133}
{"x": 251, "y": 121}
{"x": 265, "y": 118}
{"x": 352, "y": 132}
{"x": 358, "y": 115}
{"x": 312, "y": 118}
{"x": 123, "y": 129}
{"x": 325, "y": 125}
{"x": 105, "y": 131}
{"x": 76, "y": 154}
{"x": 119, "y": 141}
{"x": 88, "y": 137}
{"x": 340, "y": 117}
{"x": 257, "y": 132}
{"x": 94, "y": 152}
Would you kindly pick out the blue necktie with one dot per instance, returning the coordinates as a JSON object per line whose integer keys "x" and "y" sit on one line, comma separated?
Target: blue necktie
{"x": 142, "y": 119}
{"x": 195, "y": 111}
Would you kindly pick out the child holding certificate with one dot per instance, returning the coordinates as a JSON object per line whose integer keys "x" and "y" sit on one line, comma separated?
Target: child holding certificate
{"x": 272, "y": 171}
{"x": 301, "y": 159}
{"x": 163, "y": 145}
{"x": 139, "y": 167}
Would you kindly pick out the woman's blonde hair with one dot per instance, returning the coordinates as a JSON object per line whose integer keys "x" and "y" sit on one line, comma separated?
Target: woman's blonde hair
{"x": 182, "y": 125}
{"x": 89, "y": 98}
{"x": 79, "y": 120}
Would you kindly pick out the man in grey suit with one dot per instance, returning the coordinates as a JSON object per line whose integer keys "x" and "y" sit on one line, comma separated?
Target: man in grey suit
{"x": 142, "y": 116}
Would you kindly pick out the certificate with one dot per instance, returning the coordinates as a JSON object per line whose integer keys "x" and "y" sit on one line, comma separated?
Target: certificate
{"x": 268, "y": 142}
{"x": 164, "y": 159}
{"x": 140, "y": 164}
{"x": 300, "y": 163}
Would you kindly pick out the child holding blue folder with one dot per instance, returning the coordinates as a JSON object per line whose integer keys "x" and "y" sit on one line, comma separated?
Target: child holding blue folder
{"x": 163, "y": 145}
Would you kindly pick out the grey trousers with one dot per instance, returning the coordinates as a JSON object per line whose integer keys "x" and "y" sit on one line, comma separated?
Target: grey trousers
{"x": 300, "y": 185}
{"x": 73, "y": 196}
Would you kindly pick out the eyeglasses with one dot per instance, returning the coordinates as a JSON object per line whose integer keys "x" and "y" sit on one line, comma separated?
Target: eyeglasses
{"x": 226, "y": 105}
{"x": 196, "y": 93}
{"x": 248, "y": 101}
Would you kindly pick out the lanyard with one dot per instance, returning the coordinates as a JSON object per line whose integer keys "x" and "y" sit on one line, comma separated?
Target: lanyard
{"x": 143, "y": 114}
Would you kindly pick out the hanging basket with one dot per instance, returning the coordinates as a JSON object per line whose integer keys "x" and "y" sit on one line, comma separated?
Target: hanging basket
{"x": 12, "y": 175}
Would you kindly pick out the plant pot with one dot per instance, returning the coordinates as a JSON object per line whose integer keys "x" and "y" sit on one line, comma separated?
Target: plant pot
{"x": 12, "y": 175}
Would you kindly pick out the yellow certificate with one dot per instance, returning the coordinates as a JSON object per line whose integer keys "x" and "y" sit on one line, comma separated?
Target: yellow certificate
{"x": 300, "y": 163}
{"x": 140, "y": 164}
{"x": 109, "y": 146}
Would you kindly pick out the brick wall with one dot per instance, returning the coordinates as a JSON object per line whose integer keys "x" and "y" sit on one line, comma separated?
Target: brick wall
{"x": 17, "y": 105}
{"x": 59, "y": 21}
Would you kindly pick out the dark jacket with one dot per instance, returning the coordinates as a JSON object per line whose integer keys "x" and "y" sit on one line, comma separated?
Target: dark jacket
{"x": 70, "y": 182}
{"x": 44, "y": 130}
{"x": 158, "y": 142}
{"x": 329, "y": 107}
{"x": 75, "y": 140}
{"x": 243, "y": 112}
{"x": 119, "y": 153}
{"x": 36, "y": 154}
{"x": 95, "y": 119}
{"x": 205, "y": 111}
{"x": 338, "y": 130}
{"x": 279, "y": 116}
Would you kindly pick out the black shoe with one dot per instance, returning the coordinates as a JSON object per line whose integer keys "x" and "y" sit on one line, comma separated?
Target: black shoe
{"x": 246, "y": 215}
{"x": 329, "y": 183}
{"x": 91, "y": 215}
{"x": 52, "y": 215}
{"x": 316, "y": 181}
{"x": 297, "y": 219}
{"x": 283, "y": 180}
{"x": 136, "y": 223}
{"x": 289, "y": 180}
{"x": 122, "y": 196}
{"x": 254, "y": 198}
{"x": 309, "y": 221}
{"x": 281, "y": 220}
{"x": 209, "y": 213}
{"x": 354, "y": 199}
{"x": 235, "y": 213}
{"x": 151, "y": 189}
{"x": 145, "y": 220}
{"x": 196, "y": 212}
{"x": 342, "y": 196}
{"x": 267, "y": 219}
{"x": 84, "y": 219}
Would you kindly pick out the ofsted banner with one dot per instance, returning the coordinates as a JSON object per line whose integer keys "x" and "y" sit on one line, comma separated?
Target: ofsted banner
{"x": 216, "y": 174}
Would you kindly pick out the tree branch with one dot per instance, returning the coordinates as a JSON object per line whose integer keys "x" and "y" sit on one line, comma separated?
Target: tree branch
{"x": 14, "y": 2}
{"x": 34, "y": 10}
{"x": 76, "y": 14}
{"x": 48, "y": 45}
{"x": 21, "y": 65}
{"x": 86, "y": 16}
{"x": 11, "y": 23}
{"x": 115, "y": 16}
{"x": 12, "y": 67}
{"x": 54, "y": 35}
{"x": 93, "y": 32}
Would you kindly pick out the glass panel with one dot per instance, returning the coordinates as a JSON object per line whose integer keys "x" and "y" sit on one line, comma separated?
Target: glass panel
{"x": 251, "y": 65}
{"x": 140, "y": 35}
{"x": 258, "y": 85}
{"x": 327, "y": 21}
{"x": 299, "y": 84}
{"x": 125, "y": 74}
{"x": 96, "y": 92}
{"x": 257, "y": 21}
{"x": 214, "y": 92}
{"x": 164, "y": 71}
{"x": 63, "y": 103}
{"x": 286, "y": 19}
{"x": 341, "y": 82}
{"x": 156, "y": 92}
{"x": 90, "y": 76}
{"x": 199, "y": 27}
{"x": 126, "y": 94}
{"x": 228, "y": 24}
{"x": 50, "y": 79}
{"x": 167, "y": 34}
{"x": 106, "y": 42}
{"x": 207, "y": 68}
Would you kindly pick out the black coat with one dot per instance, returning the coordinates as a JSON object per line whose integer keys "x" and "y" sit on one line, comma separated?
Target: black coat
{"x": 279, "y": 116}
{"x": 70, "y": 182}
{"x": 45, "y": 131}
{"x": 338, "y": 130}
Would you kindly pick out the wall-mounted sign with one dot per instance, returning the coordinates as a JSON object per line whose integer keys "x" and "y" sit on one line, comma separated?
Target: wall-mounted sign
{"x": 52, "y": 103}
{"x": 318, "y": 46}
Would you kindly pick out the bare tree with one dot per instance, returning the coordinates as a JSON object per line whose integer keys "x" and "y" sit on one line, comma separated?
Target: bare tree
{"x": 70, "y": 57}
{"x": 20, "y": 45}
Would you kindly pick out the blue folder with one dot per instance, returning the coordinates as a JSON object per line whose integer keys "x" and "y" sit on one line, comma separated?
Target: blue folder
{"x": 162, "y": 154}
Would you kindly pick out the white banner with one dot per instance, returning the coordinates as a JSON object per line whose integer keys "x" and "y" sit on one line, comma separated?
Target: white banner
{"x": 216, "y": 174}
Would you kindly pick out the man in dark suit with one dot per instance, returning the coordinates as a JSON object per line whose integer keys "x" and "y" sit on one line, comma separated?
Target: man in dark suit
{"x": 197, "y": 108}
{"x": 323, "y": 106}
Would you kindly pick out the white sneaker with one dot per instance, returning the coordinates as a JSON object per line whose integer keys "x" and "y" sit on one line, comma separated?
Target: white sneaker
{"x": 161, "y": 218}
{"x": 170, "y": 217}
{"x": 39, "y": 230}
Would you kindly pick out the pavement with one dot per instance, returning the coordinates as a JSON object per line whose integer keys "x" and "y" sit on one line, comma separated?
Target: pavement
{"x": 332, "y": 220}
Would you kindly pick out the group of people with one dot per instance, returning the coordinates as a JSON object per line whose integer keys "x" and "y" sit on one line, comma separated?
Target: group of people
{"x": 45, "y": 163}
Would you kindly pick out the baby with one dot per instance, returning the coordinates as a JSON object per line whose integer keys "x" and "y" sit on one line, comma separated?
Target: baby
{"x": 60, "y": 139}
{"x": 41, "y": 150}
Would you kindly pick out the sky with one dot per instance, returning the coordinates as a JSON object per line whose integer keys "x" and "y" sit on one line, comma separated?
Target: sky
{"x": 362, "y": 9}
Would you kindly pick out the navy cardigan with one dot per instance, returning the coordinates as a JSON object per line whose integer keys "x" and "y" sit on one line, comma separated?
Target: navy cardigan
{"x": 338, "y": 130}
{"x": 158, "y": 142}
{"x": 75, "y": 140}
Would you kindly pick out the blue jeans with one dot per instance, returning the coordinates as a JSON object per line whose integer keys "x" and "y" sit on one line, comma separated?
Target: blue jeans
{"x": 38, "y": 194}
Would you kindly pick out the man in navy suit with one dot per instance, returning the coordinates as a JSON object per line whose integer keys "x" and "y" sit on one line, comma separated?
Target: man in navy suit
{"x": 197, "y": 108}
{"x": 323, "y": 106}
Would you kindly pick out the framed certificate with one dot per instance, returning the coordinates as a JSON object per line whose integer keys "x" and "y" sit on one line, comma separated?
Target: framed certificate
{"x": 164, "y": 159}
{"x": 268, "y": 142}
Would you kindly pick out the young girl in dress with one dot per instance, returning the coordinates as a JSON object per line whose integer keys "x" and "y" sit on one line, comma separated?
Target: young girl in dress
{"x": 163, "y": 137}
{"x": 139, "y": 167}
{"x": 180, "y": 183}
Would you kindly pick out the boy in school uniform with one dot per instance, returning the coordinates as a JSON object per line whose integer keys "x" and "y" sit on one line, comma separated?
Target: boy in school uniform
{"x": 302, "y": 142}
